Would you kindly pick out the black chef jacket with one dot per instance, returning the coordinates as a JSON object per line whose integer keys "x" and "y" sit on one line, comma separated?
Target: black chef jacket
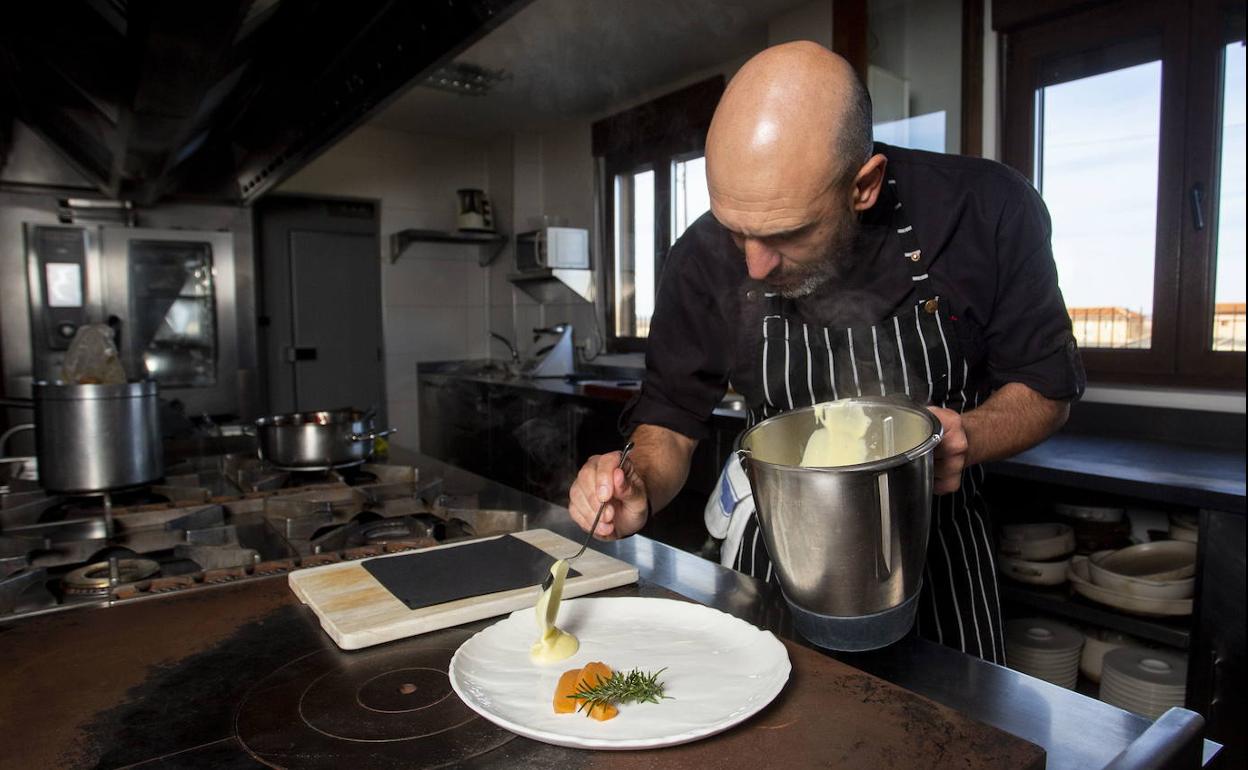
{"x": 984, "y": 229}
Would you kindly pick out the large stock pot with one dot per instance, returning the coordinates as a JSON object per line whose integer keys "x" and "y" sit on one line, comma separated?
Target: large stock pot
{"x": 95, "y": 438}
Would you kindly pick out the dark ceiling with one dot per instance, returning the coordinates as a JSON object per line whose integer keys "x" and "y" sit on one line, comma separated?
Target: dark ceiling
{"x": 218, "y": 99}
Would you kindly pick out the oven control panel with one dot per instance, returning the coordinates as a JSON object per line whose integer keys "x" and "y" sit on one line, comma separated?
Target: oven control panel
{"x": 58, "y": 283}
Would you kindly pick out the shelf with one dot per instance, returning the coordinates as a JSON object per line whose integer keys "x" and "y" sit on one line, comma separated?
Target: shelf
{"x": 400, "y": 240}
{"x": 1150, "y": 470}
{"x": 544, "y": 285}
{"x": 1059, "y": 601}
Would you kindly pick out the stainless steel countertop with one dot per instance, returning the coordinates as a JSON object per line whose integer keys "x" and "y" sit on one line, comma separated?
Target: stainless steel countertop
{"x": 1076, "y": 731}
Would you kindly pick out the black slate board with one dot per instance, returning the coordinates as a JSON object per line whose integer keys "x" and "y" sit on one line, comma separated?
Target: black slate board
{"x": 426, "y": 578}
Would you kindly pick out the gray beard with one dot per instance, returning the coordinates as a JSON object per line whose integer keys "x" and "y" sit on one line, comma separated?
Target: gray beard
{"x": 833, "y": 264}
{"x": 808, "y": 285}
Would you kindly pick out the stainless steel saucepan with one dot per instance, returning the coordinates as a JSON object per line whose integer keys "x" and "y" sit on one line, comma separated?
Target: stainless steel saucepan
{"x": 317, "y": 440}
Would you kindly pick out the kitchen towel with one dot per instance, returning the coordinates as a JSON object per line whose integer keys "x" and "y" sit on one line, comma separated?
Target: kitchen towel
{"x": 728, "y": 509}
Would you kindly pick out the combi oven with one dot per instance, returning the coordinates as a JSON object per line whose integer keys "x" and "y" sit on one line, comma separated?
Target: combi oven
{"x": 168, "y": 294}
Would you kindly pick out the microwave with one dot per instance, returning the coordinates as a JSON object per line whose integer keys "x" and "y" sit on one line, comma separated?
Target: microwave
{"x": 553, "y": 247}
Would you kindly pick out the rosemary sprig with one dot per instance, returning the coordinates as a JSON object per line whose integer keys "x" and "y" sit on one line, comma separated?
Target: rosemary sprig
{"x": 634, "y": 687}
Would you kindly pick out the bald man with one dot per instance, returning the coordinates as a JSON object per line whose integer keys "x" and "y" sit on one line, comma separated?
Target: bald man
{"x": 828, "y": 267}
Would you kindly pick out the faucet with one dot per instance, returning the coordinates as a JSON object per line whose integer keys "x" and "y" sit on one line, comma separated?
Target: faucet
{"x": 515, "y": 354}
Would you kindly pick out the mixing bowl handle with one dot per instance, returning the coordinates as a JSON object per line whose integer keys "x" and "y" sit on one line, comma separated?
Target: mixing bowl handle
{"x": 928, "y": 445}
{"x": 743, "y": 457}
{"x": 886, "y": 525}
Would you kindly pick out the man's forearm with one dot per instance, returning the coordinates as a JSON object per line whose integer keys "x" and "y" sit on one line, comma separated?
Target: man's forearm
{"x": 1013, "y": 419}
{"x": 661, "y": 457}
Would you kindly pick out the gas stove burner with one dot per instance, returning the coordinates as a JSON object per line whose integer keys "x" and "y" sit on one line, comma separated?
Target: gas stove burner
{"x": 402, "y": 532}
{"x": 389, "y": 530}
{"x": 82, "y": 506}
{"x": 352, "y": 474}
{"x": 356, "y": 476}
{"x": 316, "y": 470}
{"x": 93, "y": 578}
{"x": 391, "y": 707}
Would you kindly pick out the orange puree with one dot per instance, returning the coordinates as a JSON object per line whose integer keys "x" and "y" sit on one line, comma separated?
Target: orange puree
{"x": 570, "y": 682}
{"x": 566, "y": 686}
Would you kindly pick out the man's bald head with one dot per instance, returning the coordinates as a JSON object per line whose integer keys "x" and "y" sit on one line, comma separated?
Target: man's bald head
{"x": 795, "y": 114}
{"x": 788, "y": 162}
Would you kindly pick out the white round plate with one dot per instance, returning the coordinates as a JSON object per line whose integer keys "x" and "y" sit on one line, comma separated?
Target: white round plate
{"x": 719, "y": 672}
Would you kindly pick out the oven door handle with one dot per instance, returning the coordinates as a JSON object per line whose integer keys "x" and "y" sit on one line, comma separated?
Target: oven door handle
{"x": 296, "y": 354}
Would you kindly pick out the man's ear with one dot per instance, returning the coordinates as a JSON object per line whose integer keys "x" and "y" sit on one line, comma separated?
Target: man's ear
{"x": 868, "y": 181}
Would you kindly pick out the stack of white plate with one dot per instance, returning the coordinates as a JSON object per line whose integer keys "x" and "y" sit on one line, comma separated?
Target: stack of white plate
{"x": 1147, "y": 682}
{"x": 1044, "y": 649}
{"x": 1096, "y": 643}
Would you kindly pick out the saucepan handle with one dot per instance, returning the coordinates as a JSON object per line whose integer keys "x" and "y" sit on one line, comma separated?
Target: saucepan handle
{"x": 372, "y": 434}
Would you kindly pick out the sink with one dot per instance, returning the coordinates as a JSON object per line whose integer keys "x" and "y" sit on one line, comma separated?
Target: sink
{"x": 491, "y": 368}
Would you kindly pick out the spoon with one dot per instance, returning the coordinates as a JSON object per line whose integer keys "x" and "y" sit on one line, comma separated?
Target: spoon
{"x": 550, "y": 577}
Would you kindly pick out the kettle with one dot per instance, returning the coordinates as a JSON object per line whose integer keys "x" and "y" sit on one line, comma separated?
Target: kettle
{"x": 475, "y": 213}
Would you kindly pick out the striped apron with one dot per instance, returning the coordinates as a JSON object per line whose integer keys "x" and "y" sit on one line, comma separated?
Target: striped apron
{"x": 916, "y": 352}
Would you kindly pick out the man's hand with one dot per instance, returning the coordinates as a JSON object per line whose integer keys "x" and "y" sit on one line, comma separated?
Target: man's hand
{"x": 1014, "y": 418}
{"x": 599, "y": 481}
{"x": 951, "y": 453}
{"x": 651, "y": 477}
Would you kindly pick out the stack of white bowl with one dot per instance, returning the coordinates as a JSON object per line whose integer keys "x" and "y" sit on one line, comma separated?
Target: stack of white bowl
{"x": 1184, "y": 526}
{"x": 1044, "y": 649}
{"x": 1097, "y": 527}
{"x": 1036, "y": 553}
{"x": 1162, "y": 570}
{"x": 1147, "y": 682}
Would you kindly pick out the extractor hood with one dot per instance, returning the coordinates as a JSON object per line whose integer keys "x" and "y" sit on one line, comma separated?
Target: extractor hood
{"x": 216, "y": 99}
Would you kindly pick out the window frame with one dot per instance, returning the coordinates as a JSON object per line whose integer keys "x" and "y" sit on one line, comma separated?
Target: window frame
{"x": 1187, "y": 154}
{"x": 1215, "y": 23}
{"x": 662, "y": 204}
{"x": 680, "y": 157}
{"x": 650, "y": 136}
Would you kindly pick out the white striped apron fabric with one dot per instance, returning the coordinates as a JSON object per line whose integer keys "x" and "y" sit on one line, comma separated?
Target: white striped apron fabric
{"x": 917, "y": 354}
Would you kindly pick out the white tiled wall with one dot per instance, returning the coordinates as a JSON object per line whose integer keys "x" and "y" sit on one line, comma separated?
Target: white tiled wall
{"x": 437, "y": 302}
{"x": 551, "y": 174}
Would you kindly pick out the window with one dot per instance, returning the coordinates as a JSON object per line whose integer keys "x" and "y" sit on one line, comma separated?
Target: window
{"x": 653, "y": 183}
{"x": 1228, "y": 308}
{"x": 1103, "y": 133}
{"x": 634, "y": 253}
{"x": 1129, "y": 119}
{"x": 690, "y": 198}
{"x": 633, "y": 236}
